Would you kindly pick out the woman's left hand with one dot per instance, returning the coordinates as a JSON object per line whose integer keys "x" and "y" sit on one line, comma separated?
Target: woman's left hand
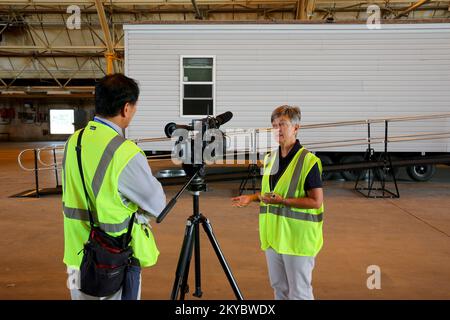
{"x": 272, "y": 198}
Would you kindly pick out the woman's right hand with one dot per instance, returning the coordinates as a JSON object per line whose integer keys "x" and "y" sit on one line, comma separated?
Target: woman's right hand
{"x": 242, "y": 201}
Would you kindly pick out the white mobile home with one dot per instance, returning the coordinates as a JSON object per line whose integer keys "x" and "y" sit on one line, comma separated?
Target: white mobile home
{"x": 334, "y": 72}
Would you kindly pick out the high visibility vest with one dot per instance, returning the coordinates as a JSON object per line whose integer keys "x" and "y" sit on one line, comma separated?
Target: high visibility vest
{"x": 289, "y": 230}
{"x": 104, "y": 155}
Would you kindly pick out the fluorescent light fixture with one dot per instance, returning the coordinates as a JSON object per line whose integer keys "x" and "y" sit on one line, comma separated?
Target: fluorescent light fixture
{"x": 13, "y": 92}
{"x": 58, "y": 92}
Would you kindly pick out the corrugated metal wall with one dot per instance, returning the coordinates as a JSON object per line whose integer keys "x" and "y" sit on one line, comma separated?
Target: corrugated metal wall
{"x": 335, "y": 73}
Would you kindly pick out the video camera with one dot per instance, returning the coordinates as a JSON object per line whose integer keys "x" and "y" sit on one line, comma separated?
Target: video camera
{"x": 199, "y": 142}
{"x": 208, "y": 123}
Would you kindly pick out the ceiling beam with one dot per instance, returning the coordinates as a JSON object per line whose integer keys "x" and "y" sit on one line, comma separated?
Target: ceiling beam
{"x": 59, "y": 48}
{"x": 163, "y": 9}
{"x": 110, "y": 54}
{"x": 198, "y": 14}
{"x": 50, "y": 54}
{"x": 31, "y": 96}
{"x": 411, "y": 8}
{"x": 300, "y": 13}
{"x": 139, "y": 2}
{"x": 213, "y": 9}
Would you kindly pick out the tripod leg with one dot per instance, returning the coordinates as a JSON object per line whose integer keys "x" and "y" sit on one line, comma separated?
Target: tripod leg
{"x": 208, "y": 229}
{"x": 397, "y": 194}
{"x": 198, "y": 282}
{"x": 184, "y": 287}
{"x": 254, "y": 170}
{"x": 243, "y": 185}
{"x": 183, "y": 261}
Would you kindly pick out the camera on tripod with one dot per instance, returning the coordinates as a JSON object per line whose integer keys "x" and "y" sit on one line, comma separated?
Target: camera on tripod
{"x": 198, "y": 143}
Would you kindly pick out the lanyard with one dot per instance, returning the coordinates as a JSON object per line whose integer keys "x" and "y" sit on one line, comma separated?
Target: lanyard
{"x": 103, "y": 122}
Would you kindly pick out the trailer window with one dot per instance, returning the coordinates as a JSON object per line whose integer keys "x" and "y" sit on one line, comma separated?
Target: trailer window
{"x": 197, "y": 86}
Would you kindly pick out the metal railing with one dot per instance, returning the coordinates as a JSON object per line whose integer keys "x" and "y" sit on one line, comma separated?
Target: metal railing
{"x": 254, "y": 150}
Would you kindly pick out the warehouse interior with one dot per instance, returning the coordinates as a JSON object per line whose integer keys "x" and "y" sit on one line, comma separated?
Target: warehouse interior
{"x": 49, "y": 61}
{"x": 52, "y": 53}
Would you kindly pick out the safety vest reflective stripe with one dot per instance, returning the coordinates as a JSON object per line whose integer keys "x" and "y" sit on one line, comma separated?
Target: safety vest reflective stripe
{"x": 285, "y": 229}
{"x": 275, "y": 164}
{"x": 106, "y": 158}
{"x": 289, "y": 213}
{"x": 75, "y": 213}
{"x": 64, "y": 168}
{"x": 82, "y": 214}
{"x": 103, "y": 170}
{"x": 296, "y": 176}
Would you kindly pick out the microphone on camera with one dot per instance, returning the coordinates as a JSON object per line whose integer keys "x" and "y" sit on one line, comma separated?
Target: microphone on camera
{"x": 223, "y": 118}
{"x": 213, "y": 122}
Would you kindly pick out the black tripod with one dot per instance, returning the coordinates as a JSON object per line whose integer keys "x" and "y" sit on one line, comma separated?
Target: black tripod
{"x": 191, "y": 243}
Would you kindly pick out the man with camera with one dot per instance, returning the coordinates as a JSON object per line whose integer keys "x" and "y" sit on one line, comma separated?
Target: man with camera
{"x": 109, "y": 193}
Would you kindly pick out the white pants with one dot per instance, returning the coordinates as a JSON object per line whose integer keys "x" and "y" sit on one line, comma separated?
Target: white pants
{"x": 75, "y": 293}
{"x": 290, "y": 276}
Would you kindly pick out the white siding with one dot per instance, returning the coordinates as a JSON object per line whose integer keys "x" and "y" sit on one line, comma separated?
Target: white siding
{"x": 334, "y": 72}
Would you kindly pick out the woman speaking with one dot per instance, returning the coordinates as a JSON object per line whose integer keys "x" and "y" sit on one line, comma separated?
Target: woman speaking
{"x": 291, "y": 209}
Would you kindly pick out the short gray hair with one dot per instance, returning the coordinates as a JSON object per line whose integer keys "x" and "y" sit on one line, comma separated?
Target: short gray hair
{"x": 292, "y": 112}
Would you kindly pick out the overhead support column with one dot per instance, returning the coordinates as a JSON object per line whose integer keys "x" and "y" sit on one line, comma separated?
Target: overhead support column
{"x": 301, "y": 10}
{"x": 309, "y": 8}
{"x": 305, "y": 9}
{"x": 198, "y": 14}
{"x": 411, "y": 8}
{"x": 109, "y": 62}
{"x": 110, "y": 54}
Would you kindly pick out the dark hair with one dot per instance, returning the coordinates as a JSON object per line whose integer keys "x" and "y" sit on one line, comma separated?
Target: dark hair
{"x": 112, "y": 92}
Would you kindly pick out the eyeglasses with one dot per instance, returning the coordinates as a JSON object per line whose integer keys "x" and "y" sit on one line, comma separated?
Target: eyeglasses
{"x": 281, "y": 124}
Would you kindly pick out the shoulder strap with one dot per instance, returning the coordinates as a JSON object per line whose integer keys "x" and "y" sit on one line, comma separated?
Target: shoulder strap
{"x": 80, "y": 167}
{"x": 130, "y": 228}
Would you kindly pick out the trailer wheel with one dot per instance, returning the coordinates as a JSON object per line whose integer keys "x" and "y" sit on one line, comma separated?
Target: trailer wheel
{"x": 326, "y": 160}
{"x": 352, "y": 175}
{"x": 423, "y": 172}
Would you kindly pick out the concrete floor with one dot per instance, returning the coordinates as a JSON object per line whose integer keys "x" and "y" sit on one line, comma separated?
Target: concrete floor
{"x": 408, "y": 238}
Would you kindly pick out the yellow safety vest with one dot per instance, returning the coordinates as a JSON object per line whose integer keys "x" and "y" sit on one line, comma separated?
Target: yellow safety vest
{"x": 289, "y": 230}
{"x": 104, "y": 154}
